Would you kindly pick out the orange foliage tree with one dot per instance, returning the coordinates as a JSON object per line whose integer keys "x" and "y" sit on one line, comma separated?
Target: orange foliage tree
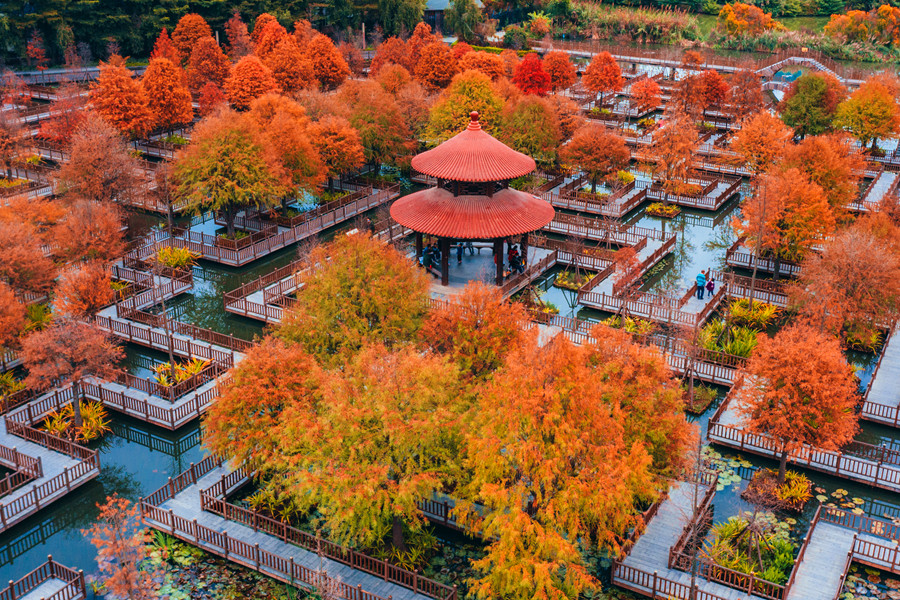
{"x": 164, "y": 48}
{"x": 530, "y": 76}
{"x": 100, "y": 167}
{"x": 90, "y": 230}
{"x": 674, "y": 147}
{"x": 168, "y": 98}
{"x": 353, "y": 57}
{"x": 249, "y": 80}
{"x": 596, "y": 151}
{"x": 239, "y": 44}
{"x": 436, "y": 66}
{"x": 85, "y": 290}
{"x": 189, "y": 30}
{"x": 761, "y": 141}
{"x": 393, "y": 77}
{"x": 559, "y": 66}
{"x": 377, "y": 118}
{"x": 24, "y": 266}
{"x": 259, "y": 25}
{"x": 854, "y": 282}
{"x": 392, "y": 51}
{"x": 645, "y": 95}
{"x": 871, "y": 112}
{"x": 833, "y": 163}
{"x": 329, "y": 67}
{"x": 271, "y": 35}
{"x": 603, "y": 75}
{"x": 745, "y": 19}
{"x": 489, "y": 64}
{"x": 12, "y": 316}
{"x": 510, "y": 60}
{"x": 339, "y": 146}
{"x": 799, "y": 391}
{"x": 68, "y": 350}
{"x": 878, "y": 26}
{"x": 290, "y": 66}
{"x": 787, "y": 217}
{"x": 207, "y": 64}
{"x": 552, "y": 489}
{"x": 120, "y": 99}
{"x": 123, "y": 547}
{"x": 477, "y": 330}
{"x": 420, "y": 38}
{"x": 360, "y": 291}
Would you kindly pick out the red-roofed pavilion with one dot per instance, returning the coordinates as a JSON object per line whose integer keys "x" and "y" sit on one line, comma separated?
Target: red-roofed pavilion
{"x": 472, "y": 200}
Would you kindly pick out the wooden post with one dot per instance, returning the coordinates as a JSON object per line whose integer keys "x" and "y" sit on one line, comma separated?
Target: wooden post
{"x": 418, "y": 245}
{"x": 498, "y": 258}
{"x": 445, "y": 261}
{"x": 225, "y": 535}
{"x": 66, "y": 474}
{"x": 12, "y": 590}
{"x": 196, "y": 532}
{"x": 291, "y": 573}
{"x": 654, "y": 585}
{"x": 172, "y": 520}
{"x": 256, "y": 557}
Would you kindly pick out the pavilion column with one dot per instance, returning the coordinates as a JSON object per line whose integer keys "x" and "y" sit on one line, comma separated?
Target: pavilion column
{"x": 445, "y": 261}
{"x": 525, "y": 249}
{"x": 418, "y": 246}
{"x": 498, "y": 255}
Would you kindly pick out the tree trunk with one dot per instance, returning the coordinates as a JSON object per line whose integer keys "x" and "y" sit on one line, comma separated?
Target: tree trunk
{"x": 284, "y": 203}
{"x": 77, "y": 419}
{"x": 397, "y": 535}
{"x": 782, "y": 466}
{"x": 330, "y": 184}
{"x": 593, "y": 185}
{"x": 170, "y": 216}
{"x": 229, "y": 222}
{"x": 777, "y": 267}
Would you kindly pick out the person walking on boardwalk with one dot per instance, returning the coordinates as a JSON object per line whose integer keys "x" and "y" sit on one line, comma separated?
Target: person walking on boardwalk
{"x": 701, "y": 285}
{"x": 711, "y": 286}
{"x": 459, "y": 252}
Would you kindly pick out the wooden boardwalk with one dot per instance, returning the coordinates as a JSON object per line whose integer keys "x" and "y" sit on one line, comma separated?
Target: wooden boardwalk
{"x": 50, "y": 580}
{"x": 880, "y": 190}
{"x": 819, "y": 575}
{"x": 882, "y": 400}
{"x": 650, "y": 554}
{"x": 186, "y": 508}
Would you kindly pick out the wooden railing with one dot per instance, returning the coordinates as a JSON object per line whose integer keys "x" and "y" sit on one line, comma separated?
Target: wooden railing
{"x": 655, "y": 586}
{"x": 746, "y": 260}
{"x": 173, "y": 392}
{"x": 598, "y": 230}
{"x": 126, "y": 310}
{"x": 522, "y": 279}
{"x": 150, "y": 337}
{"x": 214, "y": 500}
{"x": 74, "y": 587}
{"x": 217, "y": 542}
{"x": 23, "y": 468}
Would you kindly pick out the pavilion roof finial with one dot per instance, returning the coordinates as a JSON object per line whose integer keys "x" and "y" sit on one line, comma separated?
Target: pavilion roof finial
{"x": 474, "y": 125}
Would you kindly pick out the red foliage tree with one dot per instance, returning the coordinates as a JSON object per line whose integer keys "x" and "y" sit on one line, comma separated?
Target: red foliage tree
{"x": 483, "y": 62}
{"x": 100, "y": 167}
{"x": 259, "y": 26}
{"x": 68, "y": 350}
{"x": 530, "y": 76}
{"x": 35, "y": 51}
{"x": 24, "y": 266}
{"x": 746, "y": 95}
{"x": 123, "y": 547}
{"x": 249, "y": 80}
{"x": 189, "y": 30}
{"x": 339, "y": 146}
{"x": 12, "y": 316}
{"x": 645, "y": 95}
{"x": 210, "y": 98}
{"x": 271, "y": 35}
{"x": 207, "y": 64}
{"x": 168, "y": 98}
{"x": 90, "y": 230}
{"x": 353, "y": 57}
{"x": 84, "y": 291}
{"x": 67, "y": 113}
{"x": 239, "y": 44}
{"x": 303, "y": 32}
{"x": 420, "y": 38}
{"x": 596, "y": 151}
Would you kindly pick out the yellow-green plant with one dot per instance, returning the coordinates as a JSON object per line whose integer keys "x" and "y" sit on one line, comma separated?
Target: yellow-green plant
{"x": 9, "y": 384}
{"x": 39, "y": 316}
{"x": 94, "y": 416}
{"x": 168, "y": 375}
{"x": 757, "y": 318}
{"x": 796, "y": 489}
{"x": 176, "y": 258}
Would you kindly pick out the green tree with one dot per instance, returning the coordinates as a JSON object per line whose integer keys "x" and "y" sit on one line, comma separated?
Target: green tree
{"x": 400, "y": 16}
{"x": 531, "y": 127}
{"x": 360, "y": 291}
{"x": 810, "y": 104}
{"x": 469, "y": 91}
{"x": 224, "y": 169}
{"x": 463, "y": 17}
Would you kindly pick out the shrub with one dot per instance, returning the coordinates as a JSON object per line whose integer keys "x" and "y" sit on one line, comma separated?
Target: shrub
{"x": 632, "y": 325}
{"x": 9, "y": 384}
{"x": 738, "y": 341}
{"x": 667, "y": 211}
{"x": 646, "y": 123}
{"x": 641, "y": 24}
{"x": 768, "y": 553}
{"x": 95, "y": 423}
{"x": 863, "y": 338}
{"x": 169, "y": 375}
{"x": 624, "y": 177}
